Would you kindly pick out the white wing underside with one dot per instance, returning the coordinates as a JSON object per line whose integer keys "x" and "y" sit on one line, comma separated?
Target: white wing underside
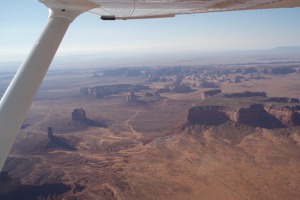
{"x": 138, "y": 9}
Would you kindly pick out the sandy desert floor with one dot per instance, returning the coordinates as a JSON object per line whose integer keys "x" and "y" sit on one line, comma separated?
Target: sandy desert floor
{"x": 148, "y": 152}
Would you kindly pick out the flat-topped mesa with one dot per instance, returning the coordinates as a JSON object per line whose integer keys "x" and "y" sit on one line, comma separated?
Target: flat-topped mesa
{"x": 57, "y": 142}
{"x": 282, "y": 70}
{"x": 147, "y": 98}
{"x": 152, "y": 94}
{"x": 181, "y": 88}
{"x": 107, "y": 90}
{"x": 257, "y": 111}
{"x": 255, "y": 115}
{"x": 209, "y": 115}
{"x": 206, "y": 84}
{"x": 246, "y": 94}
{"x": 283, "y": 100}
{"x": 209, "y": 93}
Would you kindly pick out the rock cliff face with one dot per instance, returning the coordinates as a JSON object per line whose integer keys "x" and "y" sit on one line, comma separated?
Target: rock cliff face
{"x": 209, "y": 93}
{"x": 147, "y": 98}
{"x": 107, "y": 90}
{"x": 246, "y": 94}
{"x": 282, "y": 70}
{"x": 79, "y": 115}
{"x": 57, "y": 142}
{"x": 256, "y": 115}
{"x": 131, "y": 97}
{"x": 289, "y": 116}
{"x": 283, "y": 100}
{"x": 79, "y": 118}
{"x": 181, "y": 88}
{"x": 208, "y": 115}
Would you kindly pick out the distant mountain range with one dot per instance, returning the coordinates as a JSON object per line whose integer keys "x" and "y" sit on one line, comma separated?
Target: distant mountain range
{"x": 287, "y": 49}
{"x": 291, "y": 53}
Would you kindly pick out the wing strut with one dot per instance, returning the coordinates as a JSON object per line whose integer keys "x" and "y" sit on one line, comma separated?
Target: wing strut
{"x": 20, "y": 93}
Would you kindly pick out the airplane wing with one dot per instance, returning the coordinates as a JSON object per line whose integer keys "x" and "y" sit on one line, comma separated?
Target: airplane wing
{"x": 19, "y": 95}
{"x": 140, "y": 9}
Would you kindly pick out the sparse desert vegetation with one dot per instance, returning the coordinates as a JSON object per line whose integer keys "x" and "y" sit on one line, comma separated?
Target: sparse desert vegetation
{"x": 144, "y": 133}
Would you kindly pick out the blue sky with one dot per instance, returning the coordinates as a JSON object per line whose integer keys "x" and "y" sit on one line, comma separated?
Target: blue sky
{"x": 22, "y": 21}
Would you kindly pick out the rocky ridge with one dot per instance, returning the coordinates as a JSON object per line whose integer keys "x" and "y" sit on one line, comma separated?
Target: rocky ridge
{"x": 107, "y": 90}
{"x": 255, "y": 111}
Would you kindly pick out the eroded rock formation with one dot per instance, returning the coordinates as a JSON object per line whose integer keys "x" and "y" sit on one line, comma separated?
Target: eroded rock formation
{"x": 57, "y": 142}
{"x": 245, "y": 110}
{"x": 152, "y": 94}
{"x": 181, "y": 88}
{"x": 50, "y": 133}
{"x": 247, "y": 94}
{"x": 289, "y": 116}
{"x": 131, "y": 98}
{"x": 79, "y": 115}
{"x": 208, "y": 115}
{"x": 209, "y": 93}
{"x": 79, "y": 118}
{"x": 147, "y": 98}
{"x": 283, "y": 100}
{"x": 255, "y": 115}
{"x": 206, "y": 84}
{"x": 282, "y": 70}
{"x": 107, "y": 90}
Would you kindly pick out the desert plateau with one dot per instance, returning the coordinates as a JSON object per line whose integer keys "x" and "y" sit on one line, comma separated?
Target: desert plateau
{"x": 178, "y": 132}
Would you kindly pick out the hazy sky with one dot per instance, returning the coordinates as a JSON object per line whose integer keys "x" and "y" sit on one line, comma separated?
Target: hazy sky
{"x": 22, "y": 21}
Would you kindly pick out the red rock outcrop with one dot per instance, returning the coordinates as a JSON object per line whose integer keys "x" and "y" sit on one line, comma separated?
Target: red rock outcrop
{"x": 283, "y": 100}
{"x": 181, "y": 88}
{"x": 79, "y": 115}
{"x": 208, "y": 115}
{"x": 107, "y": 90}
{"x": 79, "y": 118}
{"x": 256, "y": 115}
{"x": 246, "y": 94}
{"x": 131, "y": 97}
{"x": 289, "y": 116}
{"x": 209, "y": 93}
